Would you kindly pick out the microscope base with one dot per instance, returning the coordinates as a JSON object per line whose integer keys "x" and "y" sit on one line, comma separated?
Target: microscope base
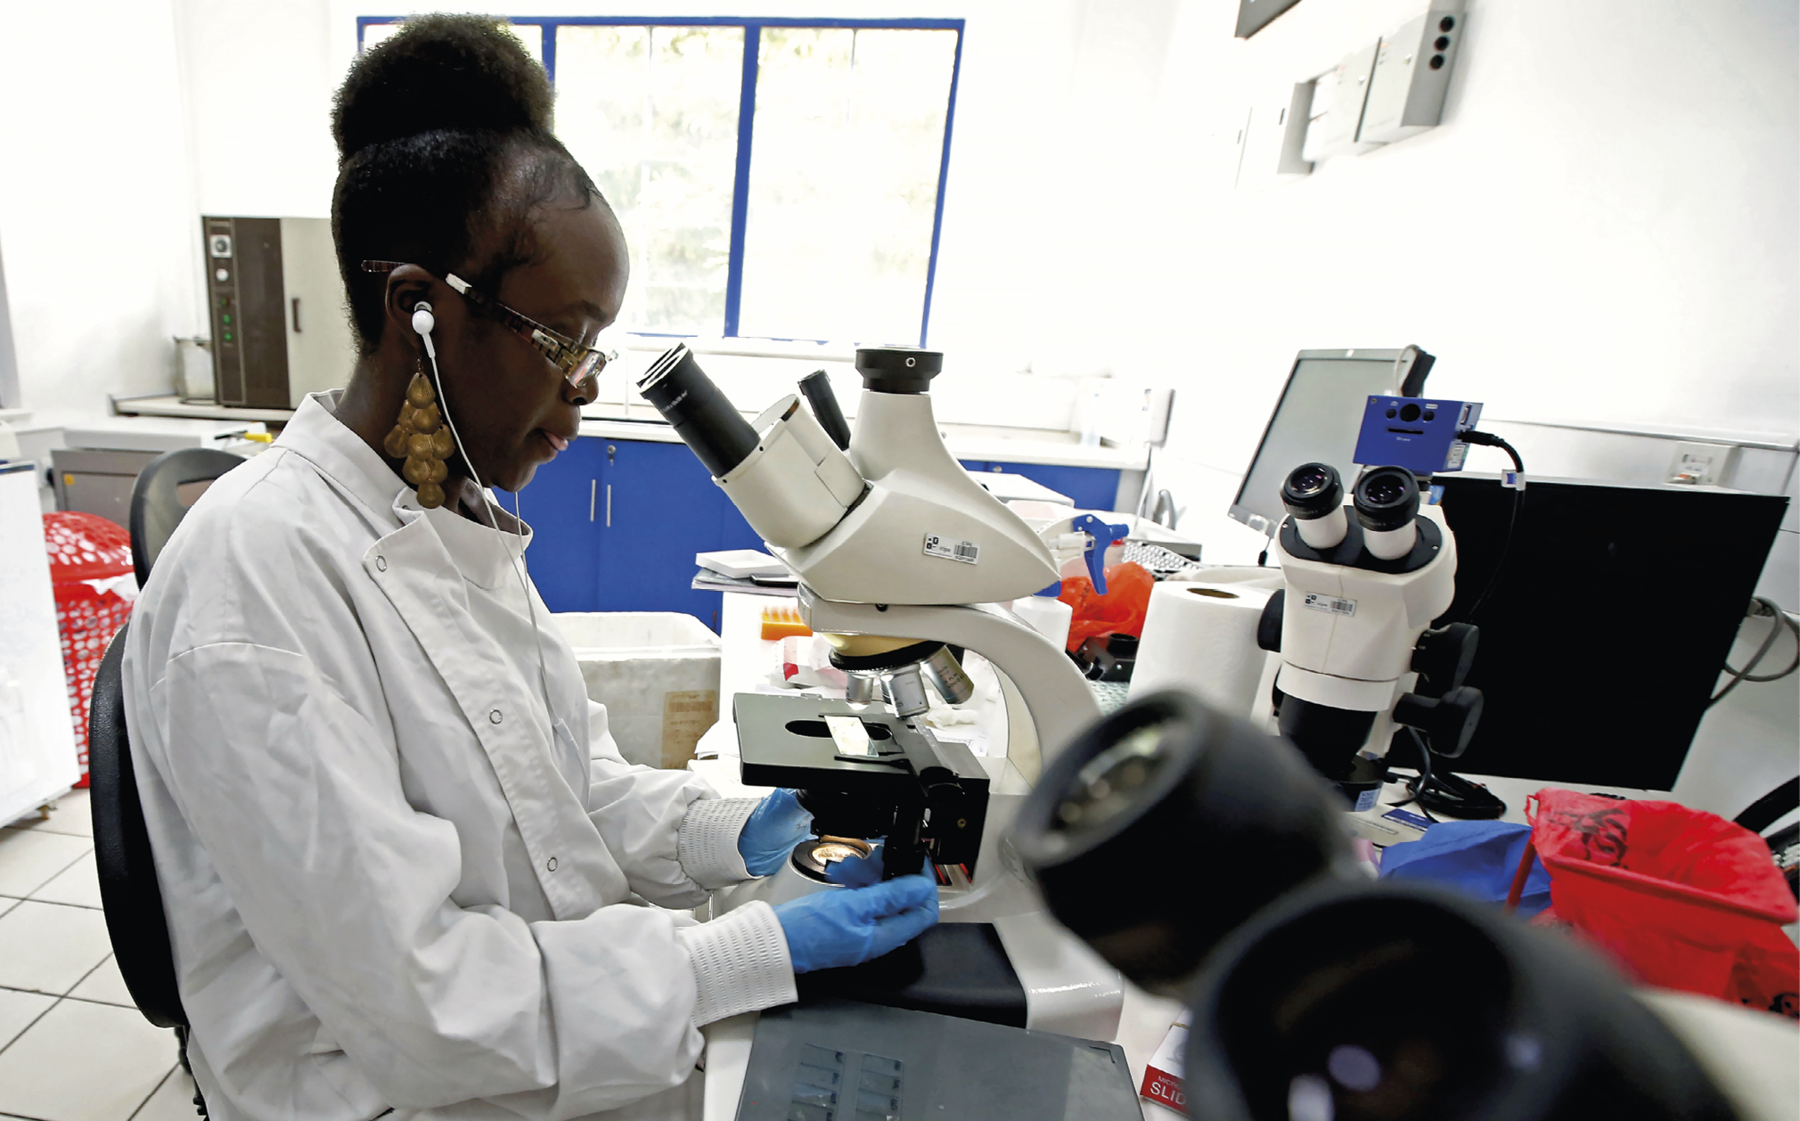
{"x": 954, "y": 969}
{"x": 1064, "y": 986}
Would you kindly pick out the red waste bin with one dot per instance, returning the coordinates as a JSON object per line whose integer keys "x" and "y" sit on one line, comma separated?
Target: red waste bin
{"x": 1680, "y": 898}
{"x": 91, "y": 575}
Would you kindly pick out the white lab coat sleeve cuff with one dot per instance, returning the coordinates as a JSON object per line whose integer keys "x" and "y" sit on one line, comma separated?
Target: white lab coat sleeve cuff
{"x": 707, "y": 843}
{"x": 741, "y": 963}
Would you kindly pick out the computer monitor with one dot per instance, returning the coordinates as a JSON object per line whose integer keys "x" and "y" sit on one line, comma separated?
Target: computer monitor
{"x": 1316, "y": 420}
{"x": 1603, "y": 639}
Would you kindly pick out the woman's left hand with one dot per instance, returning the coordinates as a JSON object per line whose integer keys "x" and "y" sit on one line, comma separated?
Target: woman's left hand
{"x": 774, "y": 828}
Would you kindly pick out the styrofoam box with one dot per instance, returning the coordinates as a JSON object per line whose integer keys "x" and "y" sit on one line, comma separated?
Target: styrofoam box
{"x": 657, "y": 673}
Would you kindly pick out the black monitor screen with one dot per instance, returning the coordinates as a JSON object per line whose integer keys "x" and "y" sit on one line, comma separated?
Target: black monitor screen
{"x": 1605, "y": 635}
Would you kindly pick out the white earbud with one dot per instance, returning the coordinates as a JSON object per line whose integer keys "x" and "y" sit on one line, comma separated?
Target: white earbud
{"x": 422, "y": 322}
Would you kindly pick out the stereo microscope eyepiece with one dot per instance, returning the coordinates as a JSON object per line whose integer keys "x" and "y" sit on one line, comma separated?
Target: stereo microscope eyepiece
{"x": 1165, "y": 825}
{"x": 1540, "y": 1028}
{"x": 1387, "y": 501}
{"x": 1314, "y": 494}
{"x": 701, "y": 415}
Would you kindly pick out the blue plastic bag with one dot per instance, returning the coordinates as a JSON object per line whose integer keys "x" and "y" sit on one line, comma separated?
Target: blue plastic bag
{"x": 1478, "y": 858}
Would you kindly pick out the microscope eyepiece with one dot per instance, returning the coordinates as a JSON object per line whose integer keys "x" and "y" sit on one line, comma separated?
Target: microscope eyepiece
{"x": 1312, "y": 491}
{"x": 1314, "y": 496}
{"x": 1386, "y": 498}
{"x": 699, "y": 412}
{"x": 1111, "y": 831}
{"x": 1387, "y": 502}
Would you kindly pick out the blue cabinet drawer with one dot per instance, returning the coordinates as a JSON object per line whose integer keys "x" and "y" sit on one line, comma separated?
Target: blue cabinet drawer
{"x": 562, "y": 506}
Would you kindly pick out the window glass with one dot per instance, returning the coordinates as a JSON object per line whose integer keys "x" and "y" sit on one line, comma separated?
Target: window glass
{"x": 846, "y": 149}
{"x": 652, "y": 114}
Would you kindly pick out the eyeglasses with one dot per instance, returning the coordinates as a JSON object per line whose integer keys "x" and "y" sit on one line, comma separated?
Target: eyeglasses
{"x": 577, "y": 361}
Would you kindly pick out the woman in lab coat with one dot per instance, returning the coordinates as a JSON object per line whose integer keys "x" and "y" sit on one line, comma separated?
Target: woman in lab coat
{"x": 405, "y": 867}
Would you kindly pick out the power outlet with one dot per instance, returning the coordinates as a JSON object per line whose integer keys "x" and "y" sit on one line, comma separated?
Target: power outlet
{"x": 1702, "y": 465}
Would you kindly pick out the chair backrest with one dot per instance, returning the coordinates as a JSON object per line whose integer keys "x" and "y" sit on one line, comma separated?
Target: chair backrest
{"x": 134, "y": 908}
{"x": 156, "y": 498}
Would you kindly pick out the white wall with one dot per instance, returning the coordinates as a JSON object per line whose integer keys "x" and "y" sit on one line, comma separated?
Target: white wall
{"x": 259, "y": 79}
{"x": 97, "y": 221}
{"x": 1603, "y": 229}
{"x": 9, "y": 363}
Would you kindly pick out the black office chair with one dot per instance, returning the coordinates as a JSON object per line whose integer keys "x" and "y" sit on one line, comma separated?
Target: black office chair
{"x": 135, "y": 922}
{"x": 1766, "y": 811}
{"x": 156, "y": 498}
{"x": 128, "y": 890}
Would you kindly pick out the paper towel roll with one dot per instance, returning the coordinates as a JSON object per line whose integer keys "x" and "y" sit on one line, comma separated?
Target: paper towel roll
{"x": 1202, "y": 637}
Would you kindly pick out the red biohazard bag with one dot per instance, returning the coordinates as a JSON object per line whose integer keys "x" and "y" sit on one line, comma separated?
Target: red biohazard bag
{"x": 1681, "y": 898}
{"x": 1120, "y": 611}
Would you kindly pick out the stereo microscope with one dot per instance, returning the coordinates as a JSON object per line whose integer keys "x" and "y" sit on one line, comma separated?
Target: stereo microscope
{"x": 904, "y": 562}
{"x": 1364, "y": 584}
{"x": 1315, "y": 993}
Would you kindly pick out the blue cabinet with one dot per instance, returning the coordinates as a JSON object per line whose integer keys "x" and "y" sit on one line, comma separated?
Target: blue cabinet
{"x": 617, "y": 524}
{"x": 562, "y": 506}
{"x": 664, "y": 509}
{"x": 1091, "y": 488}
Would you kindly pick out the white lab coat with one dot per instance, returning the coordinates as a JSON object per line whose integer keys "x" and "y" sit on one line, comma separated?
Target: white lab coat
{"x": 393, "y": 877}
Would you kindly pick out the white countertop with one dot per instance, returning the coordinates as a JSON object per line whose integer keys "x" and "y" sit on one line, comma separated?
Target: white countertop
{"x": 627, "y": 422}
{"x": 965, "y": 441}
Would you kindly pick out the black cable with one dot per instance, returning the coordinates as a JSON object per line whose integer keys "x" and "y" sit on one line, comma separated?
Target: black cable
{"x": 1449, "y": 794}
{"x": 1488, "y": 439}
{"x": 1416, "y": 784}
{"x": 1761, "y": 606}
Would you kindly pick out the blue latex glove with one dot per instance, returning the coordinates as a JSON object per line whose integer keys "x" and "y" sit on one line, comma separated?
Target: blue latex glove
{"x": 829, "y": 929}
{"x": 774, "y": 828}
{"x": 857, "y": 871}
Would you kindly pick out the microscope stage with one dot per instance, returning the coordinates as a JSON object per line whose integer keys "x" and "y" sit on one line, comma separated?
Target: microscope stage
{"x": 788, "y": 741}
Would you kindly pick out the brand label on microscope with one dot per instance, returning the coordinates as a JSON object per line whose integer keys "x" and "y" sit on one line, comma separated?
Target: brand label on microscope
{"x": 1330, "y": 604}
{"x": 949, "y": 548}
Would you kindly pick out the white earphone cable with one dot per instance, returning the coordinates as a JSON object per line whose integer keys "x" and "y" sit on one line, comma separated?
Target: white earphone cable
{"x": 488, "y": 506}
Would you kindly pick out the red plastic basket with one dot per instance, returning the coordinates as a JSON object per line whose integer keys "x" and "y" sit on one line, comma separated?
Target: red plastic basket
{"x": 87, "y": 553}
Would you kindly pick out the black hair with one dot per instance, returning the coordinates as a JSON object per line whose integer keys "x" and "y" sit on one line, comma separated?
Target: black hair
{"x": 444, "y": 149}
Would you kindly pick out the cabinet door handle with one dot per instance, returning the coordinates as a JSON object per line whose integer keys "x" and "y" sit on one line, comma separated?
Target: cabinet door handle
{"x": 608, "y": 505}
{"x": 296, "y": 315}
{"x": 593, "y": 484}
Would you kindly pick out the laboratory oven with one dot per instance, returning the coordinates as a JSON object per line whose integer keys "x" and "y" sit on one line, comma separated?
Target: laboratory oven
{"x": 276, "y": 304}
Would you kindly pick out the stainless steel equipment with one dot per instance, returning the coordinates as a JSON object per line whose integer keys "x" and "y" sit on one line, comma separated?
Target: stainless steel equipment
{"x": 276, "y": 304}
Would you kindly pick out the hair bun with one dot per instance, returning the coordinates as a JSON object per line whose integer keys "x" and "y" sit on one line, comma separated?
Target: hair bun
{"x": 464, "y": 73}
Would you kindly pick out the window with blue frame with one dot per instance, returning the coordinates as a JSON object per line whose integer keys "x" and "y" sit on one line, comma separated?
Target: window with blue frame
{"x": 778, "y": 179}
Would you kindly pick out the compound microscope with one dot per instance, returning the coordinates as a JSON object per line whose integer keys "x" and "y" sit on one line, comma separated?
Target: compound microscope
{"x": 903, "y": 563}
{"x": 1359, "y": 658}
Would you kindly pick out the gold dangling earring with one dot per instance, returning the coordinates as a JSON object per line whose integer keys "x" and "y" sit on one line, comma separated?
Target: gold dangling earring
{"x": 423, "y": 440}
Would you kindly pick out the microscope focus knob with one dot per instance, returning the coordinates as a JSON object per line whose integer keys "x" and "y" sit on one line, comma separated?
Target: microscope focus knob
{"x": 1448, "y": 721}
{"x": 1443, "y": 657}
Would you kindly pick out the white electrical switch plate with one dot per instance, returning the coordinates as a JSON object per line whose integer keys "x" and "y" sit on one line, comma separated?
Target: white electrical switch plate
{"x": 1412, "y": 74}
{"x": 1337, "y": 106}
{"x": 1293, "y": 131}
{"x": 1702, "y": 465}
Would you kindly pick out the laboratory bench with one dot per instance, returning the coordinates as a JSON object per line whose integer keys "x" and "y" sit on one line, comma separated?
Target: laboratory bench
{"x": 618, "y": 516}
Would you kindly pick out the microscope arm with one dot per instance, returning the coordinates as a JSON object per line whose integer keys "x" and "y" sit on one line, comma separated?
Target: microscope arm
{"x": 1056, "y": 695}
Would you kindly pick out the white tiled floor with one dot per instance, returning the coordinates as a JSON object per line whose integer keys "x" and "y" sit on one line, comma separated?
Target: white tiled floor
{"x": 72, "y": 1046}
